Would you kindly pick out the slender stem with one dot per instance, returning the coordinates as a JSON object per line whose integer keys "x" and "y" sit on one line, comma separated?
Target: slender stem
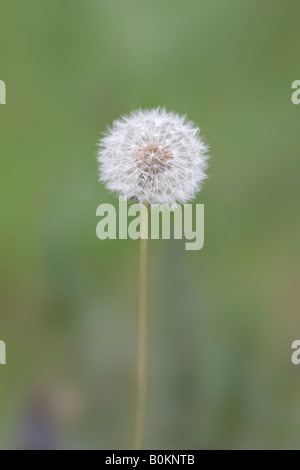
{"x": 142, "y": 331}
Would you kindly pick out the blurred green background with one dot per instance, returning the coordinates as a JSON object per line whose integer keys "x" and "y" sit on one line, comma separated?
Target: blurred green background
{"x": 221, "y": 320}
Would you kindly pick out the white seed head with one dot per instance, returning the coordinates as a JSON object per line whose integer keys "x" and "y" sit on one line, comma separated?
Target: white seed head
{"x": 153, "y": 155}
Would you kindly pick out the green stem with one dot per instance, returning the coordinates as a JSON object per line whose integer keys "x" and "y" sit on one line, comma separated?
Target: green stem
{"x": 142, "y": 331}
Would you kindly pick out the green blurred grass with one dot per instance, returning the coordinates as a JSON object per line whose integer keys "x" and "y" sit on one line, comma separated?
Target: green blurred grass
{"x": 221, "y": 320}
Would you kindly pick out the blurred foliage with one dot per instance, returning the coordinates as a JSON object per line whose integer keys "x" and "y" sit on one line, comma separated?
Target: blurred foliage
{"x": 222, "y": 319}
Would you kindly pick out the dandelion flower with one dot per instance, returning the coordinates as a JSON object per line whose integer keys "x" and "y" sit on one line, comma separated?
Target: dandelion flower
{"x": 153, "y": 155}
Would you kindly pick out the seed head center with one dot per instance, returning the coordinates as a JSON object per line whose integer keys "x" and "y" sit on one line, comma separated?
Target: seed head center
{"x": 153, "y": 158}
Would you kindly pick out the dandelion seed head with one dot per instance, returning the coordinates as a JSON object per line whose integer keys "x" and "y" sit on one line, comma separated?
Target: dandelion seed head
{"x": 153, "y": 155}
{"x": 153, "y": 158}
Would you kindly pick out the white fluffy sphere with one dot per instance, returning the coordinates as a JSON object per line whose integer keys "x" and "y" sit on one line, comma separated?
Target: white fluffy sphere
{"x": 153, "y": 155}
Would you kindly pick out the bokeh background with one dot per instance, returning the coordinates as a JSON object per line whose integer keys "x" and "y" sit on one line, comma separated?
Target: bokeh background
{"x": 221, "y": 320}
